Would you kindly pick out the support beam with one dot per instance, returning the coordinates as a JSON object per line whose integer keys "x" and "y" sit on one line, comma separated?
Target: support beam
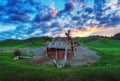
{"x": 46, "y": 52}
{"x": 74, "y": 49}
{"x": 56, "y": 54}
{"x": 65, "y": 55}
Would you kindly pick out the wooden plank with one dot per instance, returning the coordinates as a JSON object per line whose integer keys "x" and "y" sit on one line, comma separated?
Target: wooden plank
{"x": 46, "y": 52}
{"x": 65, "y": 55}
{"x": 56, "y": 54}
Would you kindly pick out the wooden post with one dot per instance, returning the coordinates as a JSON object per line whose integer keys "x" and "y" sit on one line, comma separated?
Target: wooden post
{"x": 56, "y": 54}
{"x": 65, "y": 56}
{"x": 46, "y": 51}
{"x": 46, "y": 48}
{"x": 74, "y": 49}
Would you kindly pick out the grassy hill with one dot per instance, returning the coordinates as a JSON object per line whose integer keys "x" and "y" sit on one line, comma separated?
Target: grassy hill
{"x": 105, "y": 69}
{"x": 102, "y": 44}
{"x": 32, "y": 43}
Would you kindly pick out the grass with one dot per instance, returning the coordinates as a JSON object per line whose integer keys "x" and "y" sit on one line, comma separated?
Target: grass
{"x": 32, "y": 43}
{"x": 105, "y": 69}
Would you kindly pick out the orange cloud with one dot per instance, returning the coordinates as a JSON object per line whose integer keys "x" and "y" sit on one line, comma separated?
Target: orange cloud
{"x": 94, "y": 30}
{"x": 107, "y": 32}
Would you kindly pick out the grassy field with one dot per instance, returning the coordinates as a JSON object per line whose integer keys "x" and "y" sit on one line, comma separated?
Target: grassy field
{"x": 32, "y": 43}
{"x": 107, "y": 68}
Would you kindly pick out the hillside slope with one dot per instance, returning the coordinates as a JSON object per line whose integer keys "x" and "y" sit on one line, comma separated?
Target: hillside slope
{"x": 107, "y": 68}
{"x": 107, "y": 45}
{"x": 102, "y": 44}
{"x": 32, "y": 43}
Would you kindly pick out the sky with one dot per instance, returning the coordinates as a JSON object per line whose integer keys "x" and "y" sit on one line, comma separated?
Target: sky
{"x": 22, "y": 19}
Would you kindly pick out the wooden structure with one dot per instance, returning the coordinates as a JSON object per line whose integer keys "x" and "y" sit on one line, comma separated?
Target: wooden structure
{"x": 61, "y": 48}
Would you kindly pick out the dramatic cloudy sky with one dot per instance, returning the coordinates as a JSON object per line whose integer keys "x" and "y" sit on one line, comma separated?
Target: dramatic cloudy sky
{"x": 21, "y": 19}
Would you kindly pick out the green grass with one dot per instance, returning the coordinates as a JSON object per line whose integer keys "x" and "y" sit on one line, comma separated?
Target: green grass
{"x": 32, "y": 43}
{"x": 107, "y": 68}
{"x": 102, "y": 45}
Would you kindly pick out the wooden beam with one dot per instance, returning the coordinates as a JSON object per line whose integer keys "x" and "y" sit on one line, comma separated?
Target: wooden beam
{"x": 65, "y": 55}
{"x": 46, "y": 54}
{"x": 56, "y": 54}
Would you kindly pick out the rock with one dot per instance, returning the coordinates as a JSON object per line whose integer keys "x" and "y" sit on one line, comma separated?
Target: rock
{"x": 16, "y": 58}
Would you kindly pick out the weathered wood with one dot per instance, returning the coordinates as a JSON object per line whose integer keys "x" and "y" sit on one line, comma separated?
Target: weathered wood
{"x": 46, "y": 54}
{"x": 61, "y": 53}
{"x": 46, "y": 48}
{"x": 56, "y": 54}
{"x": 69, "y": 53}
{"x": 65, "y": 55}
{"x": 62, "y": 48}
{"x": 50, "y": 53}
{"x": 73, "y": 48}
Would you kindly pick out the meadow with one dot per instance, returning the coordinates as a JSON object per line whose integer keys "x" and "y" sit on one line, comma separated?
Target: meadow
{"x": 107, "y": 68}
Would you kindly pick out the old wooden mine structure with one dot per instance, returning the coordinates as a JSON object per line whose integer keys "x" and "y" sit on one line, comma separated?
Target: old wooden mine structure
{"x": 62, "y": 48}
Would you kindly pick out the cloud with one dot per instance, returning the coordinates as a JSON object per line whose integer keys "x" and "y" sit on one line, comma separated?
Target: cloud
{"x": 93, "y": 30}
{"x": 42, "y": 16}
{"x": 69, "y": 6}
{"x": 53, "y": 11}
{"x": 38, "y": 18}
{"x": 107, "y": 32}
{"x": 89, "y": 9}
{"x": 76, "y": 17}
{"x": 6, "y": 28}
{"x": 20, "y": 18}
{"x": 55, "y": 24}
{"x": 46, "y": 15}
